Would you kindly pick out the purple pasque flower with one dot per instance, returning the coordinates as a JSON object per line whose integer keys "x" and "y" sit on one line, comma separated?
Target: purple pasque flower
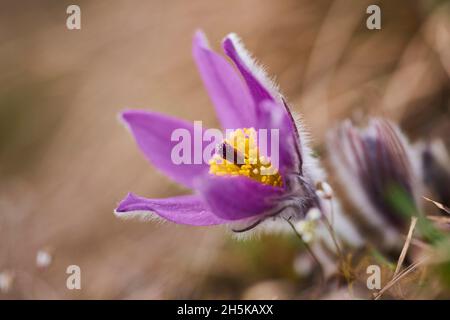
{"x": 246, "y": 101}
{"x": 373, "y": 163}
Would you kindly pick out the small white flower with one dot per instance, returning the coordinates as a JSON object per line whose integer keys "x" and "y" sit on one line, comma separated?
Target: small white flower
{"x": 307, "y": 227}
{"x": 308, "y": 236}
{"x": 6, "y": 280}
{"x": 313, "y": 214}
{"x": 43, "y": 259}
{"x": 303, "y": 264}
{"x": 302, "y": 226}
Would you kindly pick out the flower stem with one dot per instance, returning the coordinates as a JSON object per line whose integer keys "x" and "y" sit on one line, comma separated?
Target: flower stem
{"x": 344, "y": 265}
{"x": 310, "y": 251}
{"x": 331, "y": 230}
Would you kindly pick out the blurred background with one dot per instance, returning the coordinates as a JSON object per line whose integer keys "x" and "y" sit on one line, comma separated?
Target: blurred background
{"x": 65, "y": 160}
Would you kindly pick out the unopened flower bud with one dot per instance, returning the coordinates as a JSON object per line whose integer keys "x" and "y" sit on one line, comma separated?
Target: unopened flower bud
{"x": 324, "y": 190}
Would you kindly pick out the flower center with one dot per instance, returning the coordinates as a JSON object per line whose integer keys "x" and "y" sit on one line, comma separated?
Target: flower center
{"x": 239, "y": 156}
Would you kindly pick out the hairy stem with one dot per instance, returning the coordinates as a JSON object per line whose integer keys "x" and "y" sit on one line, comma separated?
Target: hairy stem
{"x": 310, "y": 251}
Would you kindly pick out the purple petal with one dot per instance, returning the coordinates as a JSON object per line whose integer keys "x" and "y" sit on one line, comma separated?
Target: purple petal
{"x": 188, "y": 210}
{"x": 272, "y": 111}
{"x": 272, "y": 116}
{"x": 234, "y": 106}
{"x": 152, "y": 132}
{"x": 237, "y": 198}
{"x": 260, "y": 86}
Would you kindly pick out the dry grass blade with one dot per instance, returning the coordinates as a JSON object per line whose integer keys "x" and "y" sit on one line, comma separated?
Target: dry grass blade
{"x": 399, "y": 277}
{"x": 439, "y": 219}
{"x": 406, "y": 245}
{"x": 439, "y": 205}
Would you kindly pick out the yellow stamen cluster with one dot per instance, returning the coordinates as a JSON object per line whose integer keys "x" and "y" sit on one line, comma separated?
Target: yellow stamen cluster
{"x": 255, "y": 166}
